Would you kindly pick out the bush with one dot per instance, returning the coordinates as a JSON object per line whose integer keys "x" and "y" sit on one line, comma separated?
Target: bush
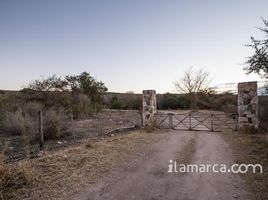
{"x": 82, "y": 106}
{"x": 263, "y": 113}
{"x": 54, "y": 124}
{"x": 247, "y": 129}
{"x": 205, "y": 99}
{"x": 229, "y": 108}
{"x": 225, "y": 102}
{"x": 134, "y": 104}
{"x": 174, "y": 101}
{"x": 13, "y": 123}
{"x": 151, "y": 127}
{"x": 26, "y": 123}
{"x": 9, "y": 102}
{"x": 116, "y": 104}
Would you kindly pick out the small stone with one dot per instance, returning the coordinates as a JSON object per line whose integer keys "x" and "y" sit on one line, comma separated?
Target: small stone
{"x": 236, "y": 196}
{"x": 40, "y": 153}
{"x": 112, "y": 135}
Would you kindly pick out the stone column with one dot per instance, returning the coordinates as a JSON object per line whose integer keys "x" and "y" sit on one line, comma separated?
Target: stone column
{"x": 148, "y": 107}
{"x": 248, "y": 104}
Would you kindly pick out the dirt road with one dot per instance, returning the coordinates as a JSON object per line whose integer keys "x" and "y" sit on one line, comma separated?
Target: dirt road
{"x": 146, "y": 177}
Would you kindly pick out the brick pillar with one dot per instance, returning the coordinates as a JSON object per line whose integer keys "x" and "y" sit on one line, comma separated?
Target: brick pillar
{"x": 248, "y": 104}
{"x": 148, "y": 107}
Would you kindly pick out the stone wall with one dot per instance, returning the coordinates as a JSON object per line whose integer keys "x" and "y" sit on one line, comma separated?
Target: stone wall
{"x": 248, "y": 104}
{"x": 149, "y": 107}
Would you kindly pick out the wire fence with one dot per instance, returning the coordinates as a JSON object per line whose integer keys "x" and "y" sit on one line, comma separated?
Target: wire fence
{"x": 25, "y": 135}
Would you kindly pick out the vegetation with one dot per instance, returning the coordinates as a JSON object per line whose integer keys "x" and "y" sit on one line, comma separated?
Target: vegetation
{"x": 193, "y": 83}
{"x": 225, "y": 102}
{"x": 52, "y": 175}
{"x": 258, "y": 62}
{"x": 263, "y": 113}
{"x": 74, "y": 90}
{"x": 251, "y": 149}
{"x": 174, "y": 101}
{"x": 14, "y": 177}
{"x": 131, "y": 103}
{"x": 57, "y": 97}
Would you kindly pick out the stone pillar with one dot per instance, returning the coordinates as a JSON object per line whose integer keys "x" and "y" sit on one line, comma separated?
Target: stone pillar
{"x": 248, "y": 104}
{"x": 148, "y": 107}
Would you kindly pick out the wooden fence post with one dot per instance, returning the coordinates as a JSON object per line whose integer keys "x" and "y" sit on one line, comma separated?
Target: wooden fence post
{"x": 41, "y": 131}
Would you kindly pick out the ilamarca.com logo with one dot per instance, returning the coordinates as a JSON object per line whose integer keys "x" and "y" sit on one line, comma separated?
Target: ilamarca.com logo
{"x": 173, "y": 167}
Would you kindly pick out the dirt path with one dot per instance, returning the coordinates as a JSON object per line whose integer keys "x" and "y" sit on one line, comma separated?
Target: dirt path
{"x": 146, "y": 177}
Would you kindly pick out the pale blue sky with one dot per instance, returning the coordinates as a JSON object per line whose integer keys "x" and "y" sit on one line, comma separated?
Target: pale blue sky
{"x": 129, "y": 45}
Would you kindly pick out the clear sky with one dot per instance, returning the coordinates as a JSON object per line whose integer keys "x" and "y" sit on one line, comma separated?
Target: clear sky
{"x": 129, "y": 44}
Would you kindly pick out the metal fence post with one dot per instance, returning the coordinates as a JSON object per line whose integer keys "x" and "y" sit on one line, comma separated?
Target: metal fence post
{"x": 170, "y": 116}
{"x": 41, "y": 131}
{"x": 212, "y": 122}
{"x": 190, "y": 121}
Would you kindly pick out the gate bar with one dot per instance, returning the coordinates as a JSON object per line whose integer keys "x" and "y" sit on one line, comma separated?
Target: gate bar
{"x": 190, "y": 121}
{"x": 212, "y": 122}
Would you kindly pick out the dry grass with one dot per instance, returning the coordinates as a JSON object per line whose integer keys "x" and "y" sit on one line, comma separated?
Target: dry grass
{"x": 14, "y": 178}
{"x": 185, "y": 156}
{"x": 66, "y": 172}
{"x": 252, "y": 149}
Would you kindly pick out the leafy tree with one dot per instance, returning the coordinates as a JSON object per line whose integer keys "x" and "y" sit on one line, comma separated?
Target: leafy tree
{"x": 55, "y": 91}
{"x": 258, "y": 62}
{"x": 51, "y": 83}
{"x": 88, "y": 85}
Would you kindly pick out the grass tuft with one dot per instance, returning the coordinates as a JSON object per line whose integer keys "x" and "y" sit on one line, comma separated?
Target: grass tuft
{"x": 14, "y": 177}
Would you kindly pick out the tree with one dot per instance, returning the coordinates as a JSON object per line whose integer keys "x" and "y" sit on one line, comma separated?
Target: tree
{"x": 47, "y": 90}
{"x": 51, "y": 83}
{"x": 79, "y": 84}
{"x": 258, "y": 62}
{"x": 88, "y": 85}
{"x": 192, "y": 83}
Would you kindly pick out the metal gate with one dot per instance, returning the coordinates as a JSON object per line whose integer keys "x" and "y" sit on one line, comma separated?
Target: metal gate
{"x": 198, "y": 121}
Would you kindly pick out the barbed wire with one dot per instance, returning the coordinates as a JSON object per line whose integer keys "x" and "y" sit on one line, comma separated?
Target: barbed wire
{"x": 232, "y": 88}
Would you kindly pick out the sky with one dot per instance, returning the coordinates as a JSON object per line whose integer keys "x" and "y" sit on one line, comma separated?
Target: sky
{"x": 130, "y": 45}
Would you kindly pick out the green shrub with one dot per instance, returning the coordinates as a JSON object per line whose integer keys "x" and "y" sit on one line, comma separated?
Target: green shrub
{"x": 174, "y": 101}
{"x": 116, "y": 104}
{"x": 134, "y": 104}
{"x": 225, "y": 102}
